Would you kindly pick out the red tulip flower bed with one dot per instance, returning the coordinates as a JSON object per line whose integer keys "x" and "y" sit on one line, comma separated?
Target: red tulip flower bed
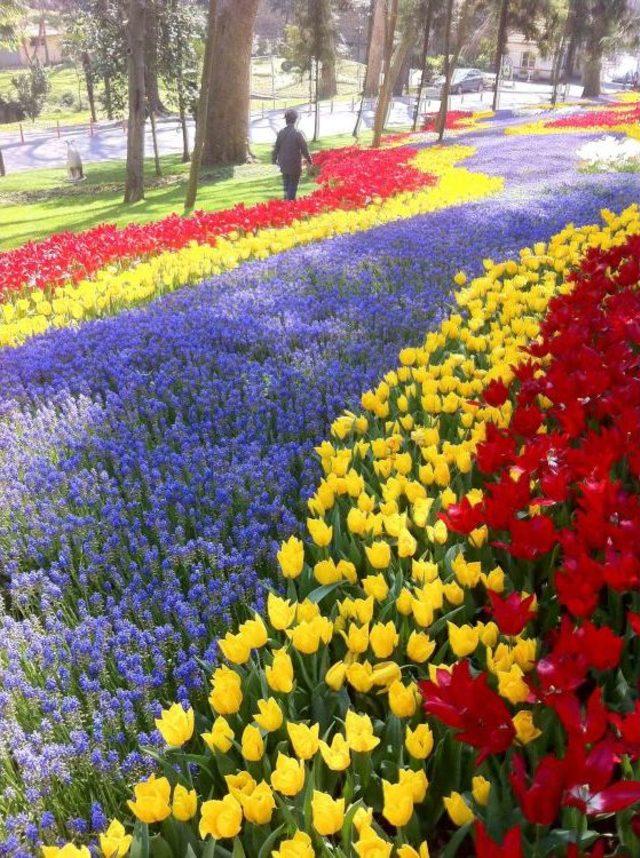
{"x": 561, "y": 500}
{"x": 620, "y": 115}
{"x": 455, "y": 119}
{"x": 348, "y": 178}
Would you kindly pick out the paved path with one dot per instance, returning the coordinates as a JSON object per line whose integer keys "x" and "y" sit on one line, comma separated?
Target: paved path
{"x": 109, "y": 142}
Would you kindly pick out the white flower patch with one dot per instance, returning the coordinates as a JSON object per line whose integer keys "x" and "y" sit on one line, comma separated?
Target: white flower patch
{"x": 610, "y": 154}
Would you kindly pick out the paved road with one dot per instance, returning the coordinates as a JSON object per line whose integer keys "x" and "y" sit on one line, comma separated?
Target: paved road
{"x": 108, "y": 141}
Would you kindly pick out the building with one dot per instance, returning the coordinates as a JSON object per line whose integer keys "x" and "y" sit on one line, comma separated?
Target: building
{"x": 526, "y": 61}
{"x": 33, "y": 47}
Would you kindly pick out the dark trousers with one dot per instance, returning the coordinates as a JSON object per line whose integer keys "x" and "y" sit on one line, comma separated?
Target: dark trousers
{"x": 290, "y": 182}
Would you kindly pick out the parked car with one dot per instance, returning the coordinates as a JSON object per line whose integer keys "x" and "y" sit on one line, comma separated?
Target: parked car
{"x": 489, "y": 79}
{"x": 463, "y": 80}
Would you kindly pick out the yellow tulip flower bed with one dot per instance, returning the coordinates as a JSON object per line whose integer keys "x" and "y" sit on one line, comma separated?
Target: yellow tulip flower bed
{"x": 313, "y": 741}
{"x": 113, "y": 289}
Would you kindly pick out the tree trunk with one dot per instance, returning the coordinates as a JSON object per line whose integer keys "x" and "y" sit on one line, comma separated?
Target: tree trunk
{"x": 399, "y": 58}
{"x": 3, "y": 171}
{"x": 573, "y": 41}
{"x": 108, "y": 104}
{"x": 385, "y": 90}
{"x": 152, "y": 36}
{"x": 448, "y": 72}
{"x": 154, "y": 139}
{"x": 503, "y": 30}
{"x": 203, "y": 105}
{"x": 402, "y": 80}
{"x": 43, "y": 35}
{"x": 592, "y": 69}
{"x": 88, "y": 79}
{"x": 134, "y": 185}
{"x": 182, "y": 112}
{"x": 557, "y": 65}
{"x": 328, "y": 84}
{"x": 423, "y": 60}
{"x": 227, "y": 131}
{"x": 326, "y": 50}
{"x": 375, "y": 52}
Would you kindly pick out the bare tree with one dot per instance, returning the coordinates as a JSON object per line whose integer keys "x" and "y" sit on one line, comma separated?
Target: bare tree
{"x": 134, "y": 185}
{"x": 427, "y": 8}
{"x": 466, "y": 14}
{"x": 326, "y": 49}
{"x": 501, "y": 44}
{"x": 375, "y": 49}
{"x": 203, "y": 106}
{"x": 390, "y": 22}
{"x": 227, "y": 131}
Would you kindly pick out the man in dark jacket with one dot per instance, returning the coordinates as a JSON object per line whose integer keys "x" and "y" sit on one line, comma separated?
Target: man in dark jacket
{"x": 290, "y": 149}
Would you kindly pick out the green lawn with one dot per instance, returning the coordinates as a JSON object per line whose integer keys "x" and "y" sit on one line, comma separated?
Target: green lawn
{"x": 289, "y": 90}
{"x": 62, "y": 79}
{"x": 36, "y": 203}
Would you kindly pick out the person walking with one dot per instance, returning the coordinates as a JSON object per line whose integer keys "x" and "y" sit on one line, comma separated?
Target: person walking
{"x": 291, "y": 147}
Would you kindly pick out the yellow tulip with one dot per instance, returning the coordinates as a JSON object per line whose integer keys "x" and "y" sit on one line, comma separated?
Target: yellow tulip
{"x": 359, "y": 732}
{"x": 375, "y": 586}
{"x": 403, "y": 700}
{"x": 378, "y": 554}
{"x": 463, "y": 640}
{"x": 407, "y": 545}
{"x": 279, "y": 674}
{"x": 255, "y": 632}
{"x": 362, "y": 819}
{"x": 258, "y": 806}
{"x": 236, "y": 648}
{"x": 459, "y": 812}
{"x": 291, "y": 557}
{"x": 252, "y": 744}
{"x": 406, "y": 851}
{"x": 383, "y": 639}
{"x": 416, "y": 781}
{"x": 241, "y": 782}
{"x": 327, "y": 813}
{"x": 357, "y": 640}
{"x": 511, "y": 685}
{"x": 281, "y": 612}
{"x": 221, "y": 736}
{"x": 420, "y": 647}
{"x": 320, "y": 531}
{"x": 151, "y": 803}
{"x": 185, "y": 803}
{"x": 270, "y": 716}
{"x": 226, "y": 696}
{"x": 419, "y": 742}
{"x": 336, "y": 755}
{"x": 175, "y": 725}
{"x": 370, "y": 845}
{"x": 360, "y": 676}
{"x": 288, "y": 775}
{"x": 404, "y": 602}
{"x": 304, "y": 739}
{"x": 115, "y": 842}
{"x": 526, "y": 730}
{"x": 335, "y": 676}
{"x": 220, "y": 818}
{"x": 397, "y": 806}
{"x": 480, "y": 789}
{"x": 69, "y": 850}
{"x": 299, "y": 846}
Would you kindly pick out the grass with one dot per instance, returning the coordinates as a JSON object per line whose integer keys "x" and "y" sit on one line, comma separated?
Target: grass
{"x": 36, "y": 203}
{"x": 289, "y": 89}
{"x": 62, "y": 79}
